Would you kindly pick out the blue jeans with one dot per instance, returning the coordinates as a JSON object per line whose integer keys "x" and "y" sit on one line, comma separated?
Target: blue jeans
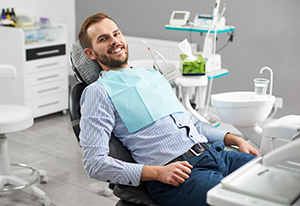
{"x": 208, "y": 170}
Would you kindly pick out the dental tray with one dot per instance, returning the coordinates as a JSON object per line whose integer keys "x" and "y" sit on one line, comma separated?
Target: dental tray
{"x": 269, "y": 183}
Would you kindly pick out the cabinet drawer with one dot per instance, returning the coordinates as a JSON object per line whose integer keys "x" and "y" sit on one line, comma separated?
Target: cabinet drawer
{"x": 45, "y": 64}
{"x": 45, "y": 77}
{"x": 46, "y": 89}
{"x": 48, "y": 104}
{"x": 45, "y": 52}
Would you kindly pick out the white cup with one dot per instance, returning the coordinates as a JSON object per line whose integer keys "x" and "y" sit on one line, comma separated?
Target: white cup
{"x": 261, "y": 86}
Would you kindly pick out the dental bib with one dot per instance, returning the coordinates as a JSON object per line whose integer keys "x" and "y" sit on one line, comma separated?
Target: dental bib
{"x": 141, "y": 96}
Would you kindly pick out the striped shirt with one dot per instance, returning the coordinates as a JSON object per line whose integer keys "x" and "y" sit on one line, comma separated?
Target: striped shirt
{"x": 156, "y": 144}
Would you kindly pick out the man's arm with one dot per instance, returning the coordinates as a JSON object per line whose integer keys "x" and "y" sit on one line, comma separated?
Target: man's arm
{"x": 96, "y": 123}
{"x": 243, "y": 145}
{"x": 213, "y": 134}
{"x": 174, "y": 174}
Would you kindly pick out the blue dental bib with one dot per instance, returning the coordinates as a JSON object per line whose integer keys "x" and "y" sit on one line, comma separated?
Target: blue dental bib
{"x": 141, "y": 96}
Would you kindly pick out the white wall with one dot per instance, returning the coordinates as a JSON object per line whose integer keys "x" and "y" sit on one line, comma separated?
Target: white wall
{"x": 58, "y": 11}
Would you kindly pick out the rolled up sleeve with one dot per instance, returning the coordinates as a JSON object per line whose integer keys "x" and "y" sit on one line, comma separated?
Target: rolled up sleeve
{"x": 212, "y": 133}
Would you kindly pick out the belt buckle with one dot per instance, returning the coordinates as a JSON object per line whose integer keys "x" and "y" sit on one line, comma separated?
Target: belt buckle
{"x": 202, "y": 149}
{"x": 195, "y": 153}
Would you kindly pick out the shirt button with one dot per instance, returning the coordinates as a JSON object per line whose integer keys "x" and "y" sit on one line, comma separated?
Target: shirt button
{"x": 191, "y": 136}
{"x": 180, "y": 125}
{"x": 107, "y": 180}
{"x": 130, "y": 183}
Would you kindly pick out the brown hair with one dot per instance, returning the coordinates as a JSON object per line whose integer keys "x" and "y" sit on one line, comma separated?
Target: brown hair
{"x": 83, "y": 36}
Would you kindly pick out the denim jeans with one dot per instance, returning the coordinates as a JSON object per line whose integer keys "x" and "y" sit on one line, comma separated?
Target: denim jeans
{"x": 208, "y": 170}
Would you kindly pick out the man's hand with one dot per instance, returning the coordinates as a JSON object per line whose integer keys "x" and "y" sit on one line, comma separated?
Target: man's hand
{"x": 174, "y": 174}
{"x": 243, "y": 145}
{"x": 248, "y": 148}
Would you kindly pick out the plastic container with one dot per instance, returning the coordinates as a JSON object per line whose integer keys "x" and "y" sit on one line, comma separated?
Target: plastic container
{"x": 261, "y": 86}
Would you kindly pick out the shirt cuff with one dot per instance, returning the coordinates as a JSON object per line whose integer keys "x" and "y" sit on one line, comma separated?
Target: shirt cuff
{"x": 213, "y": 134}
{"x": 132, "y": 174}
{"x": 218, "y": 135}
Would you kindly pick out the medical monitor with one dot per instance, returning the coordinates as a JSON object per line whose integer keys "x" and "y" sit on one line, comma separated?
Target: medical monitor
{"x": 179, "y": 18}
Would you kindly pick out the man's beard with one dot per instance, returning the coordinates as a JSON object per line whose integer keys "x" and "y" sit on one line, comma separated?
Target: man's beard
{"x": 111, "y": 62}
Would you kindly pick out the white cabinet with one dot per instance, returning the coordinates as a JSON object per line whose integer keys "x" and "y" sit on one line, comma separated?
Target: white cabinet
{"x": 40, "y": 58}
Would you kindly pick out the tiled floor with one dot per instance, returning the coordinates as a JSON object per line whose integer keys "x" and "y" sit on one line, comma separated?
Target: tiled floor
{"x": 51, "y": 145}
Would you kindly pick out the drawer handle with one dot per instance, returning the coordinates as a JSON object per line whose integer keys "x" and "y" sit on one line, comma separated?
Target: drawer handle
{"x": 47, "y": 52}
{"x": 47, "y": 65}
{"x": 47, "y": 90}
{"x": 48, "y": 77}
{"x": 48, "y": 104}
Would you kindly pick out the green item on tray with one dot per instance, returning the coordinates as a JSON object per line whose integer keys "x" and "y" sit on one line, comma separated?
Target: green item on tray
{"x": 196, "y": 67}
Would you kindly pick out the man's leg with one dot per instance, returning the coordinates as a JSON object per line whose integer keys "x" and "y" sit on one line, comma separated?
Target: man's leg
{"x": 205, "y": 175}
{"x": 209, "y": 168}
{"x": 229, "y": 161}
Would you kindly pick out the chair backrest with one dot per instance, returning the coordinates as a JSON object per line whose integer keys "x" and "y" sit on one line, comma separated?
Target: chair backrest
{"x": 74, "y": 107}
{"x": 85, "y": 69}
{"x": 116, "y": 148}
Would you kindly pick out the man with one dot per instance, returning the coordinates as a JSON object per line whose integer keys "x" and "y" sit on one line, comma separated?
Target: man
{"x": 164, "y": 147}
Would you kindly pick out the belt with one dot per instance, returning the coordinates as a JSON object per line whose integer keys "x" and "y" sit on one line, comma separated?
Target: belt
{"x": 195, "y": 150}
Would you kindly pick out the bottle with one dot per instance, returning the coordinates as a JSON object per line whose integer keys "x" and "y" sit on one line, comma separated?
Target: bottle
{"x": 3, "y": 14}
{"x": 13, "y": 15}
{"x": 8, "y": 14}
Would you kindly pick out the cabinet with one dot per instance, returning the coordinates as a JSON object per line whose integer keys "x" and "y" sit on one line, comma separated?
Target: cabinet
{"x": 39, "y": 56}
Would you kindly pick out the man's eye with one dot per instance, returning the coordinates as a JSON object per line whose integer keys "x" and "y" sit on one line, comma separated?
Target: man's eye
{"x": 101, "y": 39}
{"x": 117, "y": 34}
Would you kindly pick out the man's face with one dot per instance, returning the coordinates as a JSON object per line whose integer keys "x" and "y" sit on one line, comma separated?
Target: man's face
{"x": 109, "y": 45}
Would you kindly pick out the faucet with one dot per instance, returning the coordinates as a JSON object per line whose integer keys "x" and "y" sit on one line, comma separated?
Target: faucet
{"x": 271, "y": 77}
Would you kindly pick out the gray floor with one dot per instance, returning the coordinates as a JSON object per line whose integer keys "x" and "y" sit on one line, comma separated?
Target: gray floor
{"x": 51, "y": 145}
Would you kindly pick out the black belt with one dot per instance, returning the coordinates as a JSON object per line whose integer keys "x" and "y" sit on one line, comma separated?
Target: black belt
{"x": 195, "y": 150}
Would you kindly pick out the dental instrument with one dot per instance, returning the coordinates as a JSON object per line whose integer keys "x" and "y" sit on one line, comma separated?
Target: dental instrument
{"x": 167, "y": 69}
{"x": 216, "y": 10}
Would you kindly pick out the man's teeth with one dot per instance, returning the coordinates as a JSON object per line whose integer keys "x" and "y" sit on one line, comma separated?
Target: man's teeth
{"x": 119, "y": 49}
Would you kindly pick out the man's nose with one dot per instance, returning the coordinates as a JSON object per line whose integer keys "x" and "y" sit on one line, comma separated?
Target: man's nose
{"x": 114, "y": 41}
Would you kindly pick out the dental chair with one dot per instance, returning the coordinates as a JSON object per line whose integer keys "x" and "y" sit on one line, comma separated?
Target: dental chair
{"x": 87, "y": 71}
{"x": 14, "y": 118}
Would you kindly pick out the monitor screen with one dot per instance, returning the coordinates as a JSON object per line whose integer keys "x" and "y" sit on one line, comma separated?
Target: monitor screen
{"x": 179, "y": 15}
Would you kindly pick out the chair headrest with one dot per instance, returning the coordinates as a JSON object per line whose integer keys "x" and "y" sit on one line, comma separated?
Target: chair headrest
{"x": 86, "y": 69}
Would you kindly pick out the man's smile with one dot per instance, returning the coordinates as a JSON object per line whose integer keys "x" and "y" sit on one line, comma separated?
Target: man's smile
{"x": 117, "y": 50}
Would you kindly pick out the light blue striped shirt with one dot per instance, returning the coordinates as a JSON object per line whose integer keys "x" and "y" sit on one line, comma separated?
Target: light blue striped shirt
{"x": 155, "y": 144}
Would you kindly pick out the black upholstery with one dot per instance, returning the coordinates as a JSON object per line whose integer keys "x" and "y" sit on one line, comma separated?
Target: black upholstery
{"x": 130, "y": 196}
{"x": 74, "y": 107}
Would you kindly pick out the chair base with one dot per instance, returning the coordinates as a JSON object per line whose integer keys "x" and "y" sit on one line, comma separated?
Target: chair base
{"x": 14, "y": 182}
{"x": 125, "y": 203}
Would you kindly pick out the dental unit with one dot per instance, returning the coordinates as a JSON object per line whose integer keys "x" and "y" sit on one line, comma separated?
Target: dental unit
{"x": 270, "y": 179}
{"x": 245, "y": 110}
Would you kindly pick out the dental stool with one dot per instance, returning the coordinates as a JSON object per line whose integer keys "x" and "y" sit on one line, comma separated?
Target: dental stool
{"x": 14, "y": 118}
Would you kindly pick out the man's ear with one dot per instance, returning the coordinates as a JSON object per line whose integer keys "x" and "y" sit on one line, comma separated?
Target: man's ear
{"x": 89, "y": 53}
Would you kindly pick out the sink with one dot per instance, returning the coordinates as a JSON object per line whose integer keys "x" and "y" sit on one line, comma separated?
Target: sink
{"x": 242, "y": 108}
